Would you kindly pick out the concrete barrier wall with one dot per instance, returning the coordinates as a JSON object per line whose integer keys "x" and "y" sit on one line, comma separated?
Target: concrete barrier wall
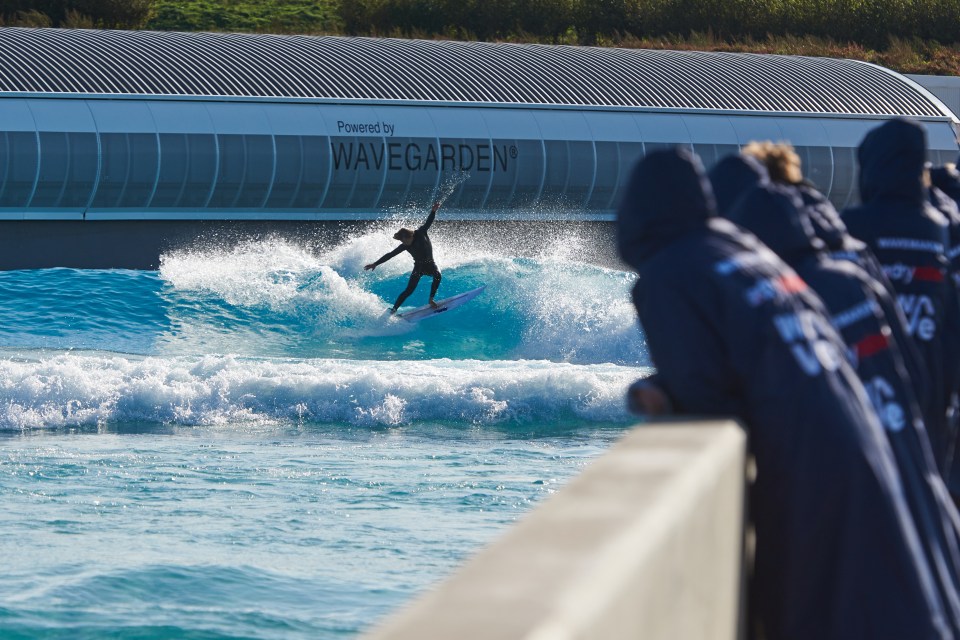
{"x": 645, "y": 543}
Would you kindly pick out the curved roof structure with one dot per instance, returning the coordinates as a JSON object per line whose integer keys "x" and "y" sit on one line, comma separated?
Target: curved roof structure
{"x": 55, "y": 61}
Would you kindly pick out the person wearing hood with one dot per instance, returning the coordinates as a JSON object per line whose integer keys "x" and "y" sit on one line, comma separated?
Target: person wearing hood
{"x": 733, "y": 331}
{"x": 947, "y": 179}
{"x": 784, "y": 167}
{"x": 774, "y": 214}
{"x": 763, "y": 162}
{"x": 944, "y": 195}
{"x": 733, "y": 176}
{"x": 910, "y": 239}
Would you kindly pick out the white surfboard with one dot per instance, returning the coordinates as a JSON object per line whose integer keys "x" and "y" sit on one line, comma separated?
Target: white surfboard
{"x": 415, "y": 315}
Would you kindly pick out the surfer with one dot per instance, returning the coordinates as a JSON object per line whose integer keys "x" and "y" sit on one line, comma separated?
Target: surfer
{"x": 418, "y": 244}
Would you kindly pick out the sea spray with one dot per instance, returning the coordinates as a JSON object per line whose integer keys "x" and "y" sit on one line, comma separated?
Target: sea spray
{"x": 450, "y": 184}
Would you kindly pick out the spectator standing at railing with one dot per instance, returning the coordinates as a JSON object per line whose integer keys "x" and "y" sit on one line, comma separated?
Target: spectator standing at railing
{"x": 911, "y": 240}
{"x": 782, "y": 165}
{"x": 945, "y": 196}
{"x": 734, "y": 332}
{"x": 774, "y": 214}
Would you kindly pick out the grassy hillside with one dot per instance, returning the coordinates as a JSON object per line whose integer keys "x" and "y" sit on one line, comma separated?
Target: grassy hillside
{"x": 262, "y": 16}
{"x": 911, "y": 36}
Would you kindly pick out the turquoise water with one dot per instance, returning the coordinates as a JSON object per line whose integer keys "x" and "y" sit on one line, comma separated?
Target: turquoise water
{"x": 242, "y": 445}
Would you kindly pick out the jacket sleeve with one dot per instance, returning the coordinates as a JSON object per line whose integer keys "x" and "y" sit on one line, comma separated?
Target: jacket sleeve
{"x": 687, "y": 350}
{"x": 391, "y": 254}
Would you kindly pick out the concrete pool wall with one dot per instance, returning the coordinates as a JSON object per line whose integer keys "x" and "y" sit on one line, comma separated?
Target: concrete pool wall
{"x": 647, "y": 542}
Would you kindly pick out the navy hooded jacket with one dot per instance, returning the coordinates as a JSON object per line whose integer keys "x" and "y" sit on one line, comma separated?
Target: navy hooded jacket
{"x": 947, "y": 179}
{"x": 945, "y": 197}
{"x": 909, "y": 238}
{"x": 735, "y": 332}
{"x": 851, "y": 297}
{"x": 829, "y": 227}
{"x": 944, "y": 194}
{"x": 732, "y": 177}
{"x": 736, "y": 175}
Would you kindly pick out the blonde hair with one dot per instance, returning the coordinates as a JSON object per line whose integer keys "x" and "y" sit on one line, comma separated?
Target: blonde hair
{"x": 781, "y": 161}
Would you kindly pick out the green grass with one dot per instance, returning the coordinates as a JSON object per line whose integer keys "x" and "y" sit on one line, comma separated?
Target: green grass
{"x": 910, "y": 36}
{"x": 905, "y": 35}
{"x": 267, "y": 16}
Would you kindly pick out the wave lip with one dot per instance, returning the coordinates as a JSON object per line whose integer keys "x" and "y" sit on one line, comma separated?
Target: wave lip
{"x": 61, "y": 389}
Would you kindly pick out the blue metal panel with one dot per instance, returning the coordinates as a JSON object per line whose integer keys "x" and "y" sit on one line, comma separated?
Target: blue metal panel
{"x": 411, "y": 157}
{"x": 613, "y": 125}
{"x": 710, "y": 129}
{"x": 121, "y": 116}
{"x": 240, "y": 118}
{"x": 61, "y": 115}
{"x": 571, "y": 163}
{"x": 660, "y": 128}
{"x": 942, "y": 137}
{"x": 181, "y": 116}
{"x": 188, "y": 159}
{"x": 20, "y": 166}
{"x": 750, "y": 128}
{"x": 246, "y": 158}
{"x": 618, "y": 143}
{"x": 296, "y": 119}
{"x": 713, "y": 137}
{"x": 660, "y": 131}
{"x": 15, "y": 115}
{"x": 563, "y": 125}
{"x": 847, "y": 133}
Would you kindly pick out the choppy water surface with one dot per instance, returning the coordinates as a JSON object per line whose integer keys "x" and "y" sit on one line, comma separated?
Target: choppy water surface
{"x": 242, "y": 445}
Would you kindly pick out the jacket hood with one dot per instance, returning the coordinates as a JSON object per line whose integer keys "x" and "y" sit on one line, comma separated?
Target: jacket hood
{"x": 891, "y": 159}
{"x": 824, "y": 218}
{"x": 734, "y": 176}
{"x": 947, "y": 179}
{"x": 774, "y": 214}
{"x": 667, "y": 197}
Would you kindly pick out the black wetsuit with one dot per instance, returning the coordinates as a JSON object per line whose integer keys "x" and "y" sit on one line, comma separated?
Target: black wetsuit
{"x": 423, "y": 265}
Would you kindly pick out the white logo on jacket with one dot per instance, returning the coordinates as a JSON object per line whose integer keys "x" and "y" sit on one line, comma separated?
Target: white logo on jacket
{"x": 899, "y": 272}
{"x": 921, "y": 315}
{"x": 807, "y": 334}
{"x": 883, "y": 399}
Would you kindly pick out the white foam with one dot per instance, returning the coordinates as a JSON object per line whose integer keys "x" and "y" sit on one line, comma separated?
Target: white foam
{"x": 562, "y": 309}
{"x": 281, "y": 277}
{"x": 64, "y": 389}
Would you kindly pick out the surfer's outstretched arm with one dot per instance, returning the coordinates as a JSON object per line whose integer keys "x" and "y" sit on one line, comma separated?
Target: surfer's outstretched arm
{"x": 430, "y": 218}
{"x": 384, "y": 258}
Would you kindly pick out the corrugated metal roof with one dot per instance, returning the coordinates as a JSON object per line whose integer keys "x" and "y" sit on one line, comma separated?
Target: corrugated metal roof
{"x": 387, "y": 69}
